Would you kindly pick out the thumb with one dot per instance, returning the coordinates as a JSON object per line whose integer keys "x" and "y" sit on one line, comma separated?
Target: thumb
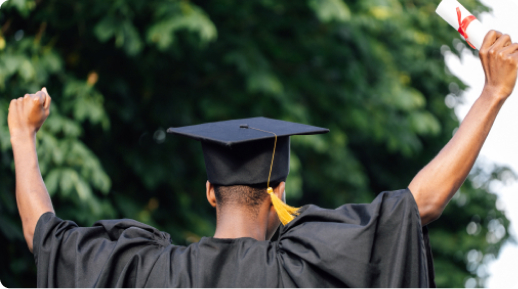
{"x": 47, "y": 98}
{"x": 39, "y": 97}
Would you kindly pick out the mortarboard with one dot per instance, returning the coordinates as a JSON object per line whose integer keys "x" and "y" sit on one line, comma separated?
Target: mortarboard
{"x": 252, "y": 151}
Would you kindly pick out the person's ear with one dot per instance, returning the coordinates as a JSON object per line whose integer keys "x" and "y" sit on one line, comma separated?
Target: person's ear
{"x": 279, "y": 191}
{"x": 211, "y": 195}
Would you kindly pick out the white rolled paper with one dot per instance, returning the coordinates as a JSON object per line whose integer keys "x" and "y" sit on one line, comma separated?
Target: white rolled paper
{"x": 476, "y": 31}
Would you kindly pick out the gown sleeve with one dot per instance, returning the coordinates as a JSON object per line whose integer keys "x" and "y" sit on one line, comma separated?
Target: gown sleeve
{"x": 111, "y": 253}
{"x": 380, "y": 244}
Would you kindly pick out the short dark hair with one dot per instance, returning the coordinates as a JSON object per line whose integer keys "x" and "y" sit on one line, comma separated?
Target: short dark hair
{"x": 249, "y": 196}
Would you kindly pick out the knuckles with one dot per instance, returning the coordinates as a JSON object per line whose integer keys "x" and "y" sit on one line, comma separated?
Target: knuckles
{"x": 12, "y": 104}
{"x": 510, "y": 59}
{"x": 20, "y": 102}
{"x": 492, "y": 34}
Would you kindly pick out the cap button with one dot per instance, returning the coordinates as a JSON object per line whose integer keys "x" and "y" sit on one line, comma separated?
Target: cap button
{"x": 243, "y": 125}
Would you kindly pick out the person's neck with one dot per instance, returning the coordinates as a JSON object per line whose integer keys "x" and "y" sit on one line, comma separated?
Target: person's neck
{"x": 236, "y": 222}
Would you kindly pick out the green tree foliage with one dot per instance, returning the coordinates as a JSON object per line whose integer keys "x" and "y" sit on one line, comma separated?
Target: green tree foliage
{"x": 120, "y": 72}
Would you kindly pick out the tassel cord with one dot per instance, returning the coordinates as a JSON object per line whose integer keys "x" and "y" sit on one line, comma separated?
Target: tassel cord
{"x": 285, "y": 212}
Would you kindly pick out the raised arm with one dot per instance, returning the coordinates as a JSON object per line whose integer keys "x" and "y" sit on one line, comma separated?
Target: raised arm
{"x": 437, "y": 182}
{"x": 26, "y": 115}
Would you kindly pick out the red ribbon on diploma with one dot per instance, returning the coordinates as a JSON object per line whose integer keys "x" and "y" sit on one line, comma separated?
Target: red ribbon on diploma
{"x": 463, "y": 25}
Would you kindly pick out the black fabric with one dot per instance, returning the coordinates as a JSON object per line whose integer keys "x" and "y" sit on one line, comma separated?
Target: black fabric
{"x": 380, "y": 244}
{"x": 429, "y": 257}
{"x": 236, "y": 152}
{"x": 231, "y": 132}
{"x": 247, "y": 163}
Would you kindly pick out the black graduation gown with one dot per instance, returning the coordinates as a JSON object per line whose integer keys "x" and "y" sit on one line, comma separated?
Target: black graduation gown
{"x": 380, "y": 244}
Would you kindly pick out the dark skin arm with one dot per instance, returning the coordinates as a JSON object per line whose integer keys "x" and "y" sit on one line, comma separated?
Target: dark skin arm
{"x": 26, "y": 116}
{"x": 437, "y": 182}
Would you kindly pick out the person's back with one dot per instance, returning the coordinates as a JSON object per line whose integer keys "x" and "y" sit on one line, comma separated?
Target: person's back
{"x": 363, "y": 245}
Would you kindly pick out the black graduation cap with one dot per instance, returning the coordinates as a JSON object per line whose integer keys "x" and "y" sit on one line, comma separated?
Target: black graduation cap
{"x": 239, "y": 152}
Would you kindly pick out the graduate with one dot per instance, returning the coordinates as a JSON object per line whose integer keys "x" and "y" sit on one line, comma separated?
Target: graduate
{"x": 381, "y": 244}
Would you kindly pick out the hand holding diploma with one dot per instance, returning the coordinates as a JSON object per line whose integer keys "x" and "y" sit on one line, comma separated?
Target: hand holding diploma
{"x": 497, "y": 53}
{"x": 436, "y": 183}
{"x": 463, "y": 21}
{"x": 434, "y": 186}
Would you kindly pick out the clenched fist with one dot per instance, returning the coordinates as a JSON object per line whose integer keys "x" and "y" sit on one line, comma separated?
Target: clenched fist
{"x": 499, "y": 56}
{"x": 27, "y": 114}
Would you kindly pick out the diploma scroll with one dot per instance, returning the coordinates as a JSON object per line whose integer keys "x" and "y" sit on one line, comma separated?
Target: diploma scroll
{"x": 461, "y": 19}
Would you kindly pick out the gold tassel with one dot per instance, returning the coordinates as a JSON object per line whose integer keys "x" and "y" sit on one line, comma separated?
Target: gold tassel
{"x": 285, "y": 212}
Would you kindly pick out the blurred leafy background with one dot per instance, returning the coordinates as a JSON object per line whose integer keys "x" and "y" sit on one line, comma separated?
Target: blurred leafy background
{"x": 120, "y": 72}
